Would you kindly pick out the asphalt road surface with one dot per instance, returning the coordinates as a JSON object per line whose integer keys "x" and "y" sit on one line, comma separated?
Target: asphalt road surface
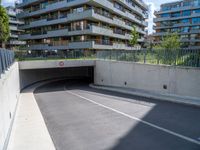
{"x": 81, "y": 118}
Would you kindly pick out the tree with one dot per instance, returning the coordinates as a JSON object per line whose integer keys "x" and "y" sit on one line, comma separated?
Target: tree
{"x": 167, "y": 50}
{"x": 171, "y": 41}
{"x": 4, "y": 25}
{"x": 134, "y": 36}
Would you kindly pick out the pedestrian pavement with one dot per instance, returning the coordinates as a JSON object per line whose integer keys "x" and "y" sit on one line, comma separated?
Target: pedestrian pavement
{"x": 29, "y": 131}
{"x": 147, "y": 94}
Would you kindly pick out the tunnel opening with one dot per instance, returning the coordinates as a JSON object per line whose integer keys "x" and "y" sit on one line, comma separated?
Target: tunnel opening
{"x": 76, "y": 74}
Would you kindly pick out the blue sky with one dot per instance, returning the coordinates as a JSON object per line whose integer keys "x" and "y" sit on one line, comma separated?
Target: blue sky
{"x": 154, "y": 5}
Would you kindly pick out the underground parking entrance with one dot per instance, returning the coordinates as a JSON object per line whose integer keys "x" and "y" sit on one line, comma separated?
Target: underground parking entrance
{"x": 73, "y": 74}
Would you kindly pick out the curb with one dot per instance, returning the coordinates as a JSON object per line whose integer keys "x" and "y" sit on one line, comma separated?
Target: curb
{"x": 170, "y": 98}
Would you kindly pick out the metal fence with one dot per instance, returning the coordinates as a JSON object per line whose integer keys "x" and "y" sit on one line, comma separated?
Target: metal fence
{"x": 180, "y": 57}
{"x": 6, "y": 59}
{"x": 54, "y": 54}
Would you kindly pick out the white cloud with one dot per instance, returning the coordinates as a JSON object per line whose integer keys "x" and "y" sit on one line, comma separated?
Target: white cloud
{"x": 8, "y": 2}
{"x": 151, "y": 16}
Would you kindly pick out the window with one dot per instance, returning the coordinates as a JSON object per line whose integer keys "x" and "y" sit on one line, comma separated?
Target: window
{"x": 77, "y": 25}
{"x": 196, "y": 28}
{"x": 193, "y": 36}
{"x": 164, "y": 8}
{"x": 44, "y": 4}
{"x": 196, "y": 11}
{"x": 184, "y": 37}
{"x": 165, "y": 15}
{"x": 187, "y": 3}
{"x": 185, "y": 20}
{"x": 196, "y": 20}
{"x": 78, "y": 10}
{"x": 196, "y": 2}
{"x": 185, "y": 29}
{"x": 118, "y": 6}
{"x": 176, "y": 14}
{"x": 186, "y": 13}
{"x": 175, "y": 29}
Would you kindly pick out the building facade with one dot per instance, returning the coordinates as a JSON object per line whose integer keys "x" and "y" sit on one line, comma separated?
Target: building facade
{"x": 82, "y": 24}
{"x": 13, "y": 41}
{"x": 182, "y": 17}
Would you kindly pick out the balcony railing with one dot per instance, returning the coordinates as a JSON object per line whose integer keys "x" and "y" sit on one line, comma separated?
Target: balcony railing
{"x": 103, "y": 42}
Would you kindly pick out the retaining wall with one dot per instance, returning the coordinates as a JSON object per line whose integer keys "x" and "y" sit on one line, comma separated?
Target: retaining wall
{"x": 179, "y": 81}
{"x": 9, "y": 95}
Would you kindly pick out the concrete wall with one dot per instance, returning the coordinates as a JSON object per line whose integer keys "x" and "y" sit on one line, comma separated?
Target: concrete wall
{"x": 153, "y": 78}
{"x": 44, "y": 64}
{"x": 9, "y": 94}
{"x": 31, "y": 76}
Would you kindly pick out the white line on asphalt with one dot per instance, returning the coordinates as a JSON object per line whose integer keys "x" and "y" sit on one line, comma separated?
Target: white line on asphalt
{"x": 135, "y": 101}
{"x": 139, "y": 120}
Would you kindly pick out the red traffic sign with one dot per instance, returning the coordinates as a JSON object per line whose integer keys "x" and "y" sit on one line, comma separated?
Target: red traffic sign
{"x": 61, "y": 63}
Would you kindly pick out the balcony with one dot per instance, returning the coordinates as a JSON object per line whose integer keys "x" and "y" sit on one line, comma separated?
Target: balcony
{"x": 13, "y": 35}
{"x": 134, "y": 8}
{"x": 128, "y": 36}
{"x": 16, "y": 42}
{"x": 102, "y": 44}
{"x": 41, "y": 35}
{"x": 160, "y": 33}
{"x": 90, "y": 13}
{"x": 125, "y": 14}
{"x": 53, "y": 45}
{"x": 14, "y": 28}
{"x": 81, "y": 45}
{"x": 22, "y": 4}
{"x": 176, "y": 9}
{"x": 59, "y": 19}
{"x": 88, "y": 44}
{"x": 119, "y": 22}
{"x": 119, "y": 46}
{"x": 15, "y": 21}
{"x": 141, "y": 40}
{"x": 176, "y": 18}
{"x": 101, "y": 30}
{"x": 133, "y": 18}
{"x": 51, "y": 7}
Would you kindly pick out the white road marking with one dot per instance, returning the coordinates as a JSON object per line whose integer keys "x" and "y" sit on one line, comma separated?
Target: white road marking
{"x": 135, "y": 101}
{"x": 139, "y": 120}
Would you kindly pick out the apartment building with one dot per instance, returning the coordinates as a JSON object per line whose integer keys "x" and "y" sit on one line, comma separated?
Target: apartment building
{"x": 13, "y": 41}
{"x": 82, "y": 24}
{"x": 182, "y": 17}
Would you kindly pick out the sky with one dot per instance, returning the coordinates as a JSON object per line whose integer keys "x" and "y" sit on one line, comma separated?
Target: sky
{"x": 153, "y": 4}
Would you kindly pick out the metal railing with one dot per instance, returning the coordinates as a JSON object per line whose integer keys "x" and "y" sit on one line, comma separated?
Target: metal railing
{"x": 55, "y": 55}
{"x": 181, "y": 57}
{"x": 6, "y": 59}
